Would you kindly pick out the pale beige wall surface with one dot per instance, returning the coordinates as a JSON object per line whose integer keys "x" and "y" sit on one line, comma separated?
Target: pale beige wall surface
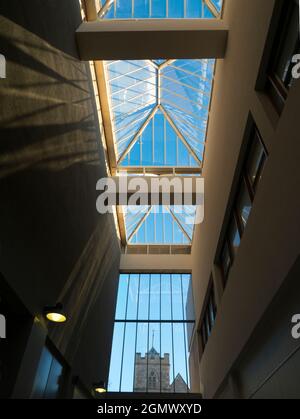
{"x": 271, "y": 241}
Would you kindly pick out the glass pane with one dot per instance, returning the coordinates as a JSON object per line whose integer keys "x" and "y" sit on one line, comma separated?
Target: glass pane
{"x": 122, "y": 297}
{"x": 158, "y": 8}
{"x": 141, "y": 8}
{"x": 154, "y": 358}
{"x": 176, "y": 297}
{"x": 244, "y": 204}
{"x": 180, "y": 382}
{"x": 289, "y": 47}
{"x": 225, "y": 261}
{"x": 165, "y": 297}
{"x": 234, "y": 236}
{"x": 123, "y": 9}
{"x": 133, "y": 297}
{"x": 193, "y": 8}
{"x": 155, "y": 297}
{"x": 167, "y": 364}
{"x": 255, "y": 159}
{"x": 144, "y": 9}
{"x": 53, "y": 383}
{"x": 116, "y": 358}
{"x": 144, "y": 297}
{"x": 212, "y": 312}
{"x": 128, "y": 358}
{"x": 42, "y": 374}
{"x": 140, "y": 372}
{"x": 176, "y": 9}
{"x": 143, "y": 352}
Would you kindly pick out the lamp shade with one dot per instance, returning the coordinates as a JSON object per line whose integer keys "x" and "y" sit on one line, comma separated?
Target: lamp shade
{"x": 55, "y": 313}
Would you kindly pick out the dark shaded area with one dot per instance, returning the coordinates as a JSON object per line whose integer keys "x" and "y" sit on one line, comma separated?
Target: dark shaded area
{"x": 53, "y": 21}
{"x": 50, "y": 160}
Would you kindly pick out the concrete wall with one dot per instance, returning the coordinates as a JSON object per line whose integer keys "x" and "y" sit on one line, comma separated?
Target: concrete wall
{"x": 54, "y": 245}
{"x": 270, "y": 244}
{"x": 269, "y": 365}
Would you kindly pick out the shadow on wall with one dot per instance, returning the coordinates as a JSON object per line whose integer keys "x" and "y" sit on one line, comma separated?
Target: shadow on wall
{"x": 53, "y": 21}
{"x": 47, "y": 116}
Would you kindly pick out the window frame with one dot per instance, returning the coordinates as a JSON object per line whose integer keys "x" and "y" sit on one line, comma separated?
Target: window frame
{"x": 209, "y": 307}
{"x": 268, "y": 81}
{"x": 242, "y": 178}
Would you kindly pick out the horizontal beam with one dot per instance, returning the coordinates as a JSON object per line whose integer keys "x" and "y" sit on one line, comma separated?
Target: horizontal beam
{"x": 152, "y": 39}
{"x": 153, "y": 190}
{"x": 167, "y": 170}
{"x": 156, "y": 263}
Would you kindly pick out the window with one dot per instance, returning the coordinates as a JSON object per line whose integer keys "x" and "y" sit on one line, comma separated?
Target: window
{"x": 286, "y": 45}
{"x": 242, "y": 205}
{"x": 160, "y": 9}
{"x": 48, "y": 379}
{"x": 209, "y": 316}
{"x": 154, "y": 323}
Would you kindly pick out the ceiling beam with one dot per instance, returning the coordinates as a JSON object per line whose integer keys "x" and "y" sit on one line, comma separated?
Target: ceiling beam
{"x": 156, "y": 170}
{"x": 152, "y": 39}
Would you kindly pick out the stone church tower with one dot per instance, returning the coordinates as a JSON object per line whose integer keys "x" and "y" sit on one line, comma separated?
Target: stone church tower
{"x": 150, "y": 367}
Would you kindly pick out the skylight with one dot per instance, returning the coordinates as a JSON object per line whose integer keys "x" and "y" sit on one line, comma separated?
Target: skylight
{"x": 160, "y": 9}
{"x": 159, "y": 112}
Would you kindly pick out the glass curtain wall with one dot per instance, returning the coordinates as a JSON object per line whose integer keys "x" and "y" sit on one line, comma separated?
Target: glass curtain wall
{"x": 154, "y": 322}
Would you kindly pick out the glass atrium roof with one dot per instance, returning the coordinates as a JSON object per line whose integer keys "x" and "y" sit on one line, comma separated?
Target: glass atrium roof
{"x": 160, "y": 9}
{"x": 159, "y": 112}
{"x": 158, "y": 116}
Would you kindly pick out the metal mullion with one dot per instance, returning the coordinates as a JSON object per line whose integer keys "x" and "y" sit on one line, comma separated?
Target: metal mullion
{"x": 139, "y": 224}
{"x": 133, "y": 85}
{"x": 153, "y": 136}
{"x": 155, "y": 321}
{"x": 184, "y": 98}
{"x": 132, "y": 9}
{"x": 132, "y": 99}
{"x": 136, "y": 327}
{"x": 131, "y": 123}
{"x": 183, "y": 110}
{"x": 158, "y": 86}
{"x": 190, "y": 73}
{"x": 171, "y": 289}
{"x": 141, "y": 148}
{"x": 136, "y": 137}
{"x": 211, "y": 8}
{"x": 179, "y": 223}
{"x": 172, "y": 229}
{"x": 191, "y": 125}
{"x": 160, "y": 330}
{"x": 180, "y": 135}
{"x": 115, "y": 8}
{"x": 124, "y": 333}
{"x": 167, "y": 8}
{"x": 185, "y": 8}
{"x": 128, "y": 75}
{"x": 148, "y": 332}
{"x": 259, "y": 172}
{"x": 166, "y": 64}
{"x": 185, "y": 337}
{"x": 165, "y": 141}
{"x": 185, "y": 85}
{"x": 104, "y": 9}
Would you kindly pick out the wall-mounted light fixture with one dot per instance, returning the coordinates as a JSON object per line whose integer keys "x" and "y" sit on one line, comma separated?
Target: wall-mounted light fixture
{"x": 55, "y": 314}
{"x": 100, "y": 387}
